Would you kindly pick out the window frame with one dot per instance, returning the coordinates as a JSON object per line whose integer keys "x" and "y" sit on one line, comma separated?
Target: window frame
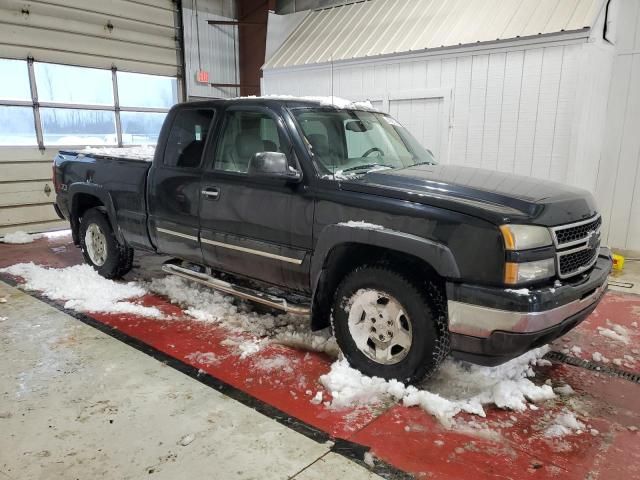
{"x": 207, "y": 143}
{"x": 115, "y": 107}
{"x": 210, "y": 166}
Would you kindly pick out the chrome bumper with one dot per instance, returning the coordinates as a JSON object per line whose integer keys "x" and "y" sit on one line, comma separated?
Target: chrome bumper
{"x": 479, "y": 321}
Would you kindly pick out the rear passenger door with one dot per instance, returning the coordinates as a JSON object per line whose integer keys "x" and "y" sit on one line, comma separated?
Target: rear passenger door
{"x": 253, "y": 226}
{"x": 174, "y": 185}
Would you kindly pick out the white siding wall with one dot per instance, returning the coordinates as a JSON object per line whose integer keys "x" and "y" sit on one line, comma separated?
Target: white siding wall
{"x": 506, "y": 109}
{"x": 618, "y": 165}
{"x": 568, "y": 112}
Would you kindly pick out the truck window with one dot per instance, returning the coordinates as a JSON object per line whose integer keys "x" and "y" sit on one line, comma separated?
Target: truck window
{"x": 187, "y": 138}
{"x": 245, "y": 134}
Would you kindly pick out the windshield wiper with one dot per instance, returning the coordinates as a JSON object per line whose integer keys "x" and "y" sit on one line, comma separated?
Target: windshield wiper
{"x": 368, "y": 166}
{"x": 424, "y": 163}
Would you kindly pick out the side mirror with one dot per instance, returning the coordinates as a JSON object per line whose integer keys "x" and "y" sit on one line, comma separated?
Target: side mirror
{"x": 273, "y": 165}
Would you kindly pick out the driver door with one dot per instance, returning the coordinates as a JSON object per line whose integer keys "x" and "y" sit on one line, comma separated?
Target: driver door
{"x": 251, "y": 226}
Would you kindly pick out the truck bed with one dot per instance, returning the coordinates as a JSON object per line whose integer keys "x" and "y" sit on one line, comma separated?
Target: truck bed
{"x": 122, "y": 174}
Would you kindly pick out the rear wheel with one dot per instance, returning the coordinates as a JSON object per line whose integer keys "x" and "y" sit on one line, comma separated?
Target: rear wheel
{"x": 390, "y": 326}
{"x": 100, "y": 246}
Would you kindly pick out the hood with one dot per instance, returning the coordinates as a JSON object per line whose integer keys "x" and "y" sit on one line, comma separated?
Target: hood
{"x": 496, "y": 196}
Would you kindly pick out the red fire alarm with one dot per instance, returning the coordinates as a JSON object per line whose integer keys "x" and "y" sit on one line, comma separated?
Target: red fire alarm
{"x": 202, "y": 76}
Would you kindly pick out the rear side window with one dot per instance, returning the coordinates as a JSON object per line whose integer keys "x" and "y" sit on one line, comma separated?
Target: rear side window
{"x": 187, "y": 138}
{"x": 245, "y": 134}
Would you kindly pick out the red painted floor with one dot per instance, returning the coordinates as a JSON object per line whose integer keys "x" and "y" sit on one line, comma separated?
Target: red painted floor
{"x": 504, "y": 445}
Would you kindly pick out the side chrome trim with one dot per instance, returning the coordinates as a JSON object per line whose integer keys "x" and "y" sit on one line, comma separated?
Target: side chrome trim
{"x": 479, "y": 321}
{"x": 177, "y": 234}
{"x": 236, "y": 290}
{"x": 252, "y": 251}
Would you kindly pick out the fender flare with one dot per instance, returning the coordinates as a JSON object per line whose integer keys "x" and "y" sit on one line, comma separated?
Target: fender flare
{"x": 435, "y": 254}
{"x": 101, "y": 194}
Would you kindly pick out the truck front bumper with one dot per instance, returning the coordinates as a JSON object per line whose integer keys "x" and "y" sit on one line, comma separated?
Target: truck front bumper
{"x": 492, "y": 325}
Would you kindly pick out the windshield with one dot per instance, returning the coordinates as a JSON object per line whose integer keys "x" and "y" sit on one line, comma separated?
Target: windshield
{"x": 347, "y": 143}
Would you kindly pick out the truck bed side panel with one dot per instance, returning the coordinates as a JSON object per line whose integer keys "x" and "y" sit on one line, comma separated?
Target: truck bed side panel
{"x": 122, "y": 180}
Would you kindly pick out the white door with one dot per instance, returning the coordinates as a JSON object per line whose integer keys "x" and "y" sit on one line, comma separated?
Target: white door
{"x": 424, "y": 118}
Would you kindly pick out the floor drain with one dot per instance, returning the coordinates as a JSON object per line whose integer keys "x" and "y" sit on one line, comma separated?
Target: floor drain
{"x": 596, "y": 367}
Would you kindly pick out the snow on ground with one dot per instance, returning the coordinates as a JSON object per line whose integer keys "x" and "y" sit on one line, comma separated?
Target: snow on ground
{"x": 207, "y": 305}
{"x": 203, "y": 358}
{"x": 564, "y": 424}
{"x": 142, "y": 152}
{"x": 56, "y": 234}
{"x": 20, "y": 237}
{"x": 82, "y": 289}
{"x": 456, "y": 387}
{"x": 616, "y": 333}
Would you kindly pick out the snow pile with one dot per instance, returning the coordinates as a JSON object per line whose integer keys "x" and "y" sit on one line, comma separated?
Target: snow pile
{"x": 564, "y": 390}
{"x": 83, "y": 289}
{"x": 203, "y": 358}
{"x": 20, "y": 237}
{"x": 142, "y": 152}
{"x": 207, "y": 305}
{"x": 280, "y": 363}
{"x": 598, "y": 357}
{"x": 617, "y": 333}
{"x": 456, "y": 387}
{"x": 564, "y": 424}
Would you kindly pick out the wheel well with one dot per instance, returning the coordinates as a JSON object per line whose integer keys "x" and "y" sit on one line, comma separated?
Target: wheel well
{"x": 81, "y": 203}
{"x": 344, "y": 258}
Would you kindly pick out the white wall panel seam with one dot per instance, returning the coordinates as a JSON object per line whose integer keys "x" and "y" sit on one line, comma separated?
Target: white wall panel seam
{"x": 555, "y": 121}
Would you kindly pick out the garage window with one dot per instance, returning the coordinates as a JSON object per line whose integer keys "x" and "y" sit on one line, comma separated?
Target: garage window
{"x": 49, "y": 104}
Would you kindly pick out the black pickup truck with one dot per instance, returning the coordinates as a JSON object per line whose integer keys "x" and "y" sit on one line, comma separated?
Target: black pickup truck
{"x": 344, "y": 211}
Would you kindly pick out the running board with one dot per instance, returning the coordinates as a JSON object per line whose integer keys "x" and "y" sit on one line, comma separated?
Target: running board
{"x": 236, "y": 290}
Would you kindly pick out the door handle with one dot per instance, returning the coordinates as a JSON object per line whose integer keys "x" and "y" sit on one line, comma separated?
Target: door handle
{"x": 211, "y": 192}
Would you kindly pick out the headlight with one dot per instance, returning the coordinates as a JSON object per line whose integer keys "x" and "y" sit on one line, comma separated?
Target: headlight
{"x": 527, "y": 272}
{"x": 523, "y": 237}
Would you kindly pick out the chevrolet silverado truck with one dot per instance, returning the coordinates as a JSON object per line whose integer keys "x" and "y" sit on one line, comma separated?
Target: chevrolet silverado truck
{"x": 354, "y": 222}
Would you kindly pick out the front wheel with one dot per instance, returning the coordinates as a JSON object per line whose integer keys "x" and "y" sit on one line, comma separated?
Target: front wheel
{"x": 101, "y": 248}
{"x": 390, "y": 326}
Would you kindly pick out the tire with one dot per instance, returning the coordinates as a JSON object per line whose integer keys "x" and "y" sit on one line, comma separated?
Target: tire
{"x": 421, "y": 316}
{"x": 105, "y": 254}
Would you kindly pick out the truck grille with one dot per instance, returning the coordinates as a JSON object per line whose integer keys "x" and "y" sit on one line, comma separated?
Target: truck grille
{"x": 577, "y": 246}
{"x": 571, "y": 234}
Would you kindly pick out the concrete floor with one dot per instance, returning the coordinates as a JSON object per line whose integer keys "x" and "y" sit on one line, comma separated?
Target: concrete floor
{"x": 77, "y": 403}
{"x": 62, "y": 381}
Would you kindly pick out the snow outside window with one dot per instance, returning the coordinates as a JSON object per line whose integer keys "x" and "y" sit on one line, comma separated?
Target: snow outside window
{"x": 79, "y": 106}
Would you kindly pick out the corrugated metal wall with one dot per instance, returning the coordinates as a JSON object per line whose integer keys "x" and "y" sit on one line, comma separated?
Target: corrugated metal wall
{"x": 618, "y": 166}
{"x": 218, "y": 47}
{"x": 137, "y": 36}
